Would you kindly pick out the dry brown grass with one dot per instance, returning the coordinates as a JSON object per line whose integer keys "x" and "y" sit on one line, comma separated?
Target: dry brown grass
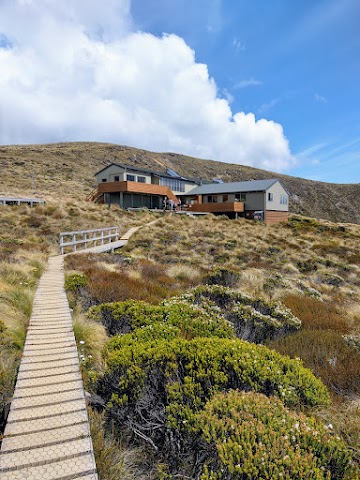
{"x": 122, "y": 280}
{"x": 328, "y": 356}
{"x": 317, "y": 315}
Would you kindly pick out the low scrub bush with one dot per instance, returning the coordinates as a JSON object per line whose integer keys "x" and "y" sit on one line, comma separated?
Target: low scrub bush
{"x": 253, "y": 319}
{"x": 154, "y": 389}
{"x": 222, "y": 276}
{"x": 124, "y": 317}
{"x": 75, "y": 281}
{"x": 330, "y": 279}
{"x": 257, "y": 437}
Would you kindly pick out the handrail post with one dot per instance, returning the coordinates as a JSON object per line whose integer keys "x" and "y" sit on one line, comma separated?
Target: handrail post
{"x": 87, "y": 237}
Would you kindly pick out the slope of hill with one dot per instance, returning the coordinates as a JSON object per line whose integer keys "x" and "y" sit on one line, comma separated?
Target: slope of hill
{"x": 67, "y": 169}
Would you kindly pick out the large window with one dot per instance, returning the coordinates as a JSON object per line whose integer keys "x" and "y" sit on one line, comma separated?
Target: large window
{"x": 283, "y": 199}
{"x": 116, "y": 178}
{"x": 212, "y": 199}
{"x": 130, "y": 178}
{"x": 225, "y": 198}
{"x": 174, "y": 184}
{"x": 270, "y": 197}
{"x": 141, "y": 179}
{"x": 240, "y": 197}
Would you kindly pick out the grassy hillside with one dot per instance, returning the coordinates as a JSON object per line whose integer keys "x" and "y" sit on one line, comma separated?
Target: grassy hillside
{"x": 200, "y": 327}
{"x": 67, "y": 169}
{"x": 177, "y": 302}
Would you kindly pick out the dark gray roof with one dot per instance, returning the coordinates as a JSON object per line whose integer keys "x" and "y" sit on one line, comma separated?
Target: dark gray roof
{"x": 233, "y": 187}
{"x": 132, "y": 168}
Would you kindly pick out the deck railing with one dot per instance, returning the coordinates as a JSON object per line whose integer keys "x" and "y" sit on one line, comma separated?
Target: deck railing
{"x": 88, "y": 238}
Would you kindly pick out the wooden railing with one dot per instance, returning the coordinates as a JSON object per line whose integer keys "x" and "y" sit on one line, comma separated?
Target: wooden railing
{"x": 88, "y": 238}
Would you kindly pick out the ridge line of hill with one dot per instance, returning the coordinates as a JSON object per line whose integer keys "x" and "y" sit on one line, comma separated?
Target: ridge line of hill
{"x": 68, "y": 169}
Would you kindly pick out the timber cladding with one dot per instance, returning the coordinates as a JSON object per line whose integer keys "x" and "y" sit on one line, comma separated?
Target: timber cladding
{"x": 272, "y": 217}
{"x": 135, "y": 187}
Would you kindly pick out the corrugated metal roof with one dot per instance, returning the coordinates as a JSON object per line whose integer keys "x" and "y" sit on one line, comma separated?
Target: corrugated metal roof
{"x": 233, "y": 187}
{"x": 132, "y": 168}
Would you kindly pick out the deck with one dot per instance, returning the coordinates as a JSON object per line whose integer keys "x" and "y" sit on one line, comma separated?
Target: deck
{"x": 19, "y": 201}
{"x": 135, "y": 187}
{"x": 223, "y": 207}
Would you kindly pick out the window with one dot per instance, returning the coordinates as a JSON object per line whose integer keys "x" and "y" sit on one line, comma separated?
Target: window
{"x": 283, "y": 199}
{"x": 141, "y": 179}
{"x": 130, "y": 178}
{"x": 116, "y": 178}
{"x": 225, "y": 198}
{"x": 240, "y": 197}
{"x": 270, "y": 196}
{"x": 212, "y": 199}
{"x": 174, "y": 184}
{"x": 103, "y": 180}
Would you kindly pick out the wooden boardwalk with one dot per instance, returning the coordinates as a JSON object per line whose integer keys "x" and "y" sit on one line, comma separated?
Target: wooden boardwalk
{"x": 47, "y": 432}
{"x": 47, "y": 435}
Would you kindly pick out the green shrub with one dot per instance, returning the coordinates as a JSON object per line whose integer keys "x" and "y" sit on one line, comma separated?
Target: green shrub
{"x": 148, "y": 333}
{"x": 333, "y": 280}
{"x": 124, "y": 317}
{"x": 257, "y": 437}
{"x": 253, "y": 319}
{"x": 157, "y": 387}
{"x": 307, "y": 266}
{"x": 75, "y": 281}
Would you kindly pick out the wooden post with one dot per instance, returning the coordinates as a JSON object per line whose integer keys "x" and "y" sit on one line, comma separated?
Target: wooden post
{"x": 61, "y": 244}
{"x": 74, "y": 242}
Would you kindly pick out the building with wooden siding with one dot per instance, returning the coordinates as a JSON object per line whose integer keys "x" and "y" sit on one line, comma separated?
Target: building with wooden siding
{"x": 260, "y": 199}
{"x": 132, "y": 187}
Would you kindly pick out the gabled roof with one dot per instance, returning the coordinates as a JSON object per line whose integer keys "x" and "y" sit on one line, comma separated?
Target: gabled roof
{"x": 132, "y": 168}
{"x": 233, "y": 187}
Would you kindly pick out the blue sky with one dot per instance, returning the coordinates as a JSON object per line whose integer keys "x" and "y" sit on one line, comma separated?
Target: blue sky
{"x": 270, "y": 84}
{"x": 294, "y": 62}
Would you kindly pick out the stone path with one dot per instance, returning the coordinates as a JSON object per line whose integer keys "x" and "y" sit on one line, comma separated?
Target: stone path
{"x": 47, "y": 435}
{"x": 47, "y": 432}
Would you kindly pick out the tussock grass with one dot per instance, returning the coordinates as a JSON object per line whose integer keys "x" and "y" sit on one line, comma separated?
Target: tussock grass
{"x": 90, "y": 339}
{"x": 327, "y": 354}
{"x": 114, "y": 460}
{"x": 19, "y": 273}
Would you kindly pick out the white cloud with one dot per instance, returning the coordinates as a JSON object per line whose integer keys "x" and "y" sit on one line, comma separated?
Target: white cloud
{"x": 77, "y": 71}
{"x": 247, "y": 83}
